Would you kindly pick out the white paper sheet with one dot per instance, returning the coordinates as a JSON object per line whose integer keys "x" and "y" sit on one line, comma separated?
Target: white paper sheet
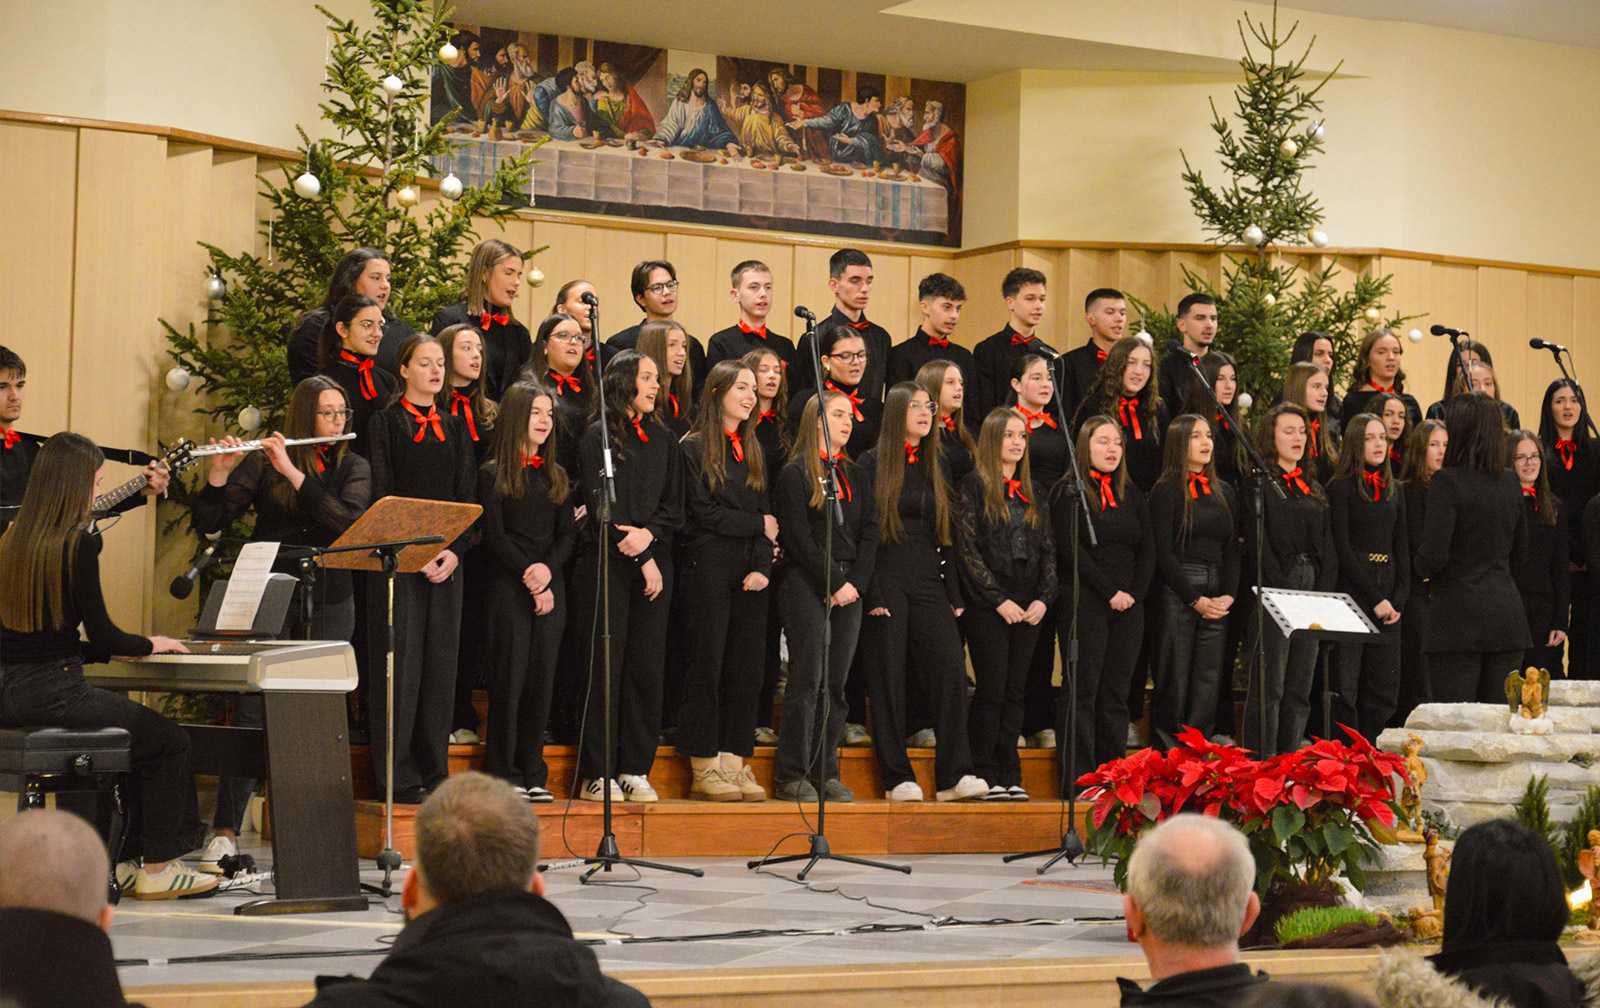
{"x": 246, "y": 585}
{"x": 1329, "y": 613}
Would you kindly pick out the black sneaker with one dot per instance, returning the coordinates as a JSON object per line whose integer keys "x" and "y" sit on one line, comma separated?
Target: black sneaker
{"x": 835, "y": 791}
{"x": 795, "y": 791}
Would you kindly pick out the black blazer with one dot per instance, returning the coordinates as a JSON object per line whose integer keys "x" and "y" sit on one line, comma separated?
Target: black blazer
{"x": 1544, "y": 577}
{"x": 1474, "y": 533}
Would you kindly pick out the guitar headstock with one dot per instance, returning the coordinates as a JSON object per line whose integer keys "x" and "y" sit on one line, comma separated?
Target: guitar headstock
{"x": 179, "y": 456}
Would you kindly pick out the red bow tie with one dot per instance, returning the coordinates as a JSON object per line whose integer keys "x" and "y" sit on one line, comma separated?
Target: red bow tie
{"x": 760, "y": 330}
{"x": 565, "y": 381}
{"x": 911, "y": 453}
{"x": 363, "y": 365}
{"x": 950, "y": 423}
{"x": 1531, "y": 491}
{"x": 859, "y": 325}
{"x": 1108, "y": 497}
{"x": 321, "y": 457}
{"x": 532, "y": 460}
{"x": 10, "y": 438}
{"x": 1199, "y": 484}
{"x": 1377, "y": 482}
{"x": 767, "y": 416}
{"x": 855, "y": 400}
{"x": 674, "y": 400}
{"x": 589, "y": 356}
{"x": 736, "y": 443}
{"x": 1017, "y": 339}
{"x": 423, "y": 419}
{"x": 1128, "y": 412}
{"x": 483, "y": 322}
{"x": 460, "y": 404}
{"x": 1036, "y": 419}
{"x": 1292, "y": 478}
{"x": 1014, "y": 489}
{"x": 1099, "y": 355}
{"x": 937, "y": 341}
{"x": 1314, "y": 443}
{"x": 1381, "y": 388}
{"x": 638, "y": 429}
{"x": 838, "y": 472}
{"x": 1567, "y": 450}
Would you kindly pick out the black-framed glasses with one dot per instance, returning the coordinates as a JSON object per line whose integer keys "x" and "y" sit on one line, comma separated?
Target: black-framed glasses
{"x": 336, "y": 414}
{"x": 855, "y": 357}
{"x": 582, "y": 338}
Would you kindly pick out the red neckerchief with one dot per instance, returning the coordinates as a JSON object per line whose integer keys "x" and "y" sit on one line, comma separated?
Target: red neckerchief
{"x": 674, "y": 400}
{"x": 855, "y": 400}
{"x": 760, "y": 330}
{"x": 1316, "y": 436}
{"x": 911, "y": 453}
{"x": 1108, "y": 497}
{"x": 838, "y": 472}
{"x": 859, "y": 325}
{"x": 564, "y": 381}
{"x": 1017, "y": 339}
{"x": 949, "y": 423}
{"x": 423, "y": 420}
{"x": 483, "y": 322}
{"x": 639, "y": 429}
{"x": 1531, "y": 491}
{"x": 1567, "y": 450}
{"x": 12, "y": 436}
{"x": 1292, "y": 478}
{"x": 767, "y": 416}
{"x": 1394, "y": 456}
{"x": 536, "y": 460}
{"x": 1199, "y": 483}
{"x": 589, "y": 356}
{"x": 1040, "y": 418}
{"x": 321, "y": 456}
{"x": 1014, "y": 489}
{"x": 458, "y": 403}
{"x": 1374, "y": 385}
{"x": 737, "y": 443}
{"x": 936, "y": 341}
{"x": 363, "y": 365}
{"x": 1375, "y": 480}
{"x": 1128, "y": 412}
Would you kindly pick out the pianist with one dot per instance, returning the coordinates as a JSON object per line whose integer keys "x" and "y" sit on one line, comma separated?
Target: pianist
{"x": 51, "y": 586}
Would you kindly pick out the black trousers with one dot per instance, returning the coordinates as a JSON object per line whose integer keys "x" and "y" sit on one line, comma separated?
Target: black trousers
{"x": 520, "y": 654}
{"x": 471, "y": 672}
{"x": 1583, "y": 649}
{"x": 1283, "y": 688}
{"x": 1002, "y": 657}
{"x": 920, "y": 620}
{"x": 800, "y": 606}
{"x": 772, "y": 665}
{"x": 1471, "y": 676}
{"x": 1108, "y": 647}
{"x": 1540, "y": 655}
{"x": 427, "y": 623}
{"x": 572, "y": 659}
{"x": 1188, "y": 667}
{"x": 1415, "y": 683}
{"x": 724, "y": 646}
{"x": 638, "y": 638}
{"x": 1366, "y": 683}
{"x": 1039, "y": 694}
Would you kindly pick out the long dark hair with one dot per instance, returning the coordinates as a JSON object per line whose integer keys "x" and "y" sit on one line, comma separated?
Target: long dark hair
{"x": 1352, "y": 462}
{"x": 780, "y": 402}
{"x": 342, "y": 283}
{"x": 1477, "y": 434}
{"x": 1175, "y": 465}
{"x": 713, "y": 438}
{"x": 1545, "y": 505}
{"x": 931, "y": 376}
{"x": 330, "y": 342}
{"x": 1294, "y": 391}
{"x": 1363, "y": 373}
{"x": 891, "y": 474}
{"x": 987, "y": 464}
{"x": 538, "y": 365}
{"x": 653, "y": 343}
{"x": 1415, "y": 460}
{"x": 621, "y": 387}
{"x": 1198, "y": 401}
{"x": 1108, "y": 387}
{"x": 1267, "y": 442}
{"x": 1547, "y": 421}
{"x": 511, "y": 442}
{"x": 38, "y": 548}
{"x": 1305, "y": 345}
{"x": 483, "y": 408}
{"x": 302, "y": 423}
{"x": 1452, "y": 367}
{"x": 1504, "y": 887}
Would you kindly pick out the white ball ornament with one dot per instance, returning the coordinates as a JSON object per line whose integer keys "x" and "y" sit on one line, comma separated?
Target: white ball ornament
{"x": 450, "y": 187}
{"x": 1253, "y": 235}
{"x": 1268, "y": 300}
{"x": 308, "y": 186}
{"x": 1319, "y": 239}
{"x": 407, "y": 196}
{"x": 1145, "y": 338}
{"x": 536, "y": 277}
{"x": 448, "y": 53}
{"x": 1318, "y": 132}
{"x": 393, "y": 85}
{"x": 216, "y": 287}
{"x": 1245, "y": 400}
{"x": 1414, "y": 335}
{"x": 249, "y": 419}
{"x": 1373, "y": 314}
{"x": 1288, "y": 148}
{"x": 177, "y": 379}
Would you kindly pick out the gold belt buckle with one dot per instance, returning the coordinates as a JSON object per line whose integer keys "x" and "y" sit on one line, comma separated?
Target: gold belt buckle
{"x": 1378, "y": 557}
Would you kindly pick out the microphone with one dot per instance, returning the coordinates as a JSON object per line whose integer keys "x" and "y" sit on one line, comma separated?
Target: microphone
{"x": 801, "y": 311}
{"x": 1439, "y": 330}
{"x": 588, "y": 298}
{"x": 1043, "y": 350}
{"x": 183, "y": 584}
{"x": 1539, "y": 344}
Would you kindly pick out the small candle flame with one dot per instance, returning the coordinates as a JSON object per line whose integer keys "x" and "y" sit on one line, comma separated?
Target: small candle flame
{"x": 1578, "y": 897}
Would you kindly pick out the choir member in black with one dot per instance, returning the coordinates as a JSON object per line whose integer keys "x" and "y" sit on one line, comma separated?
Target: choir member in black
{"x": 307, "y": 495}
{"x": 1126, "y": 390}
{"x": 362, "y": 271}
{"x": 996, "y": 357}
{"x": 1424, "y": 456}
{"x": 1475, "y": 533}
{"x": 1366, "y": 503}
{"x": 946, "y": 382}
{"x": 772, "y": 430}
{"x": 1574, "y": 474}
{"x": 1479, "y": 378}
{"x": 463, "y": 395}
{"x": 914, "y": 600}
{"x": 560, "y": 364}
{"x": 1377, "y": 371}
{"x": 668, "y": 345}
{"x": 1222, "y": 374}
{"x": 1299, "y": 554}
{"x": 939, "y": 297}
{"x": 752, "y": 292}
{"x": 1197, "y": 330}
{"x": 654, "y": 283}
{"x": 1193, "y": 520}
{"x": 1313, "y": 347}
{"x": 51, "y": 587}
{"x": 1106, "y": 312}
{"x": 493, "y": 278}
{"x": 1033, "y": 399}
{"x": 349, "y": 341}
{"x": 1391, "y": 409}
{"x": 1308, "y": 386}
{"x": 728, "y": 539}
{"x": 844, "y": 363}
{"x": 1008, "y": 573}
{"x": 416, "y": 450}
{"x": 528, "y": 535}
{"x": 1544, "y": 578}
{"x": 803, "y": 580}
{"x": 569, "y": 301}
{"x": 850, "y": 280}
{"x": 647, "y": 513}
{"x": 1114, "y": 576}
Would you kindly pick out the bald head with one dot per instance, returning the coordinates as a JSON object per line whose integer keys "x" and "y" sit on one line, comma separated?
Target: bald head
{"x": 1190, "y": 877}
{"x": 53, "y": 860}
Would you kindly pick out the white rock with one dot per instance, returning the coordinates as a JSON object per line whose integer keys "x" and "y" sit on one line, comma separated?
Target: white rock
{"x": 1494, "y": 747}
{"x": 1493, "y": 717}
{"x": 1575, "y": 693}
{"x": 1454, "y": 781}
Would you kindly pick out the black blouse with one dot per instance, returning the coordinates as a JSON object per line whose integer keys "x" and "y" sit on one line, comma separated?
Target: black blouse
{"x": 1008, "y": 559}
{"x": 306, "y": 338}
{"x": 1544, "y": 578}
{"x": 957, "y": 458}
{"x": 84, "y": 605}
{"x": 506, "y": 345}
{"x": 649, "y": 486}
{"x": 572, "y": 410}
{"x": 1474, "y": 534}
{"x": 1080, "y": 368}
{"x": 732, "y": 515}
{"x": 1297, "y": 525}
{"x": 1211, "y": 536}
{"x": 364, "y": 394}
{"x": 801, "y": 527}
{"x": 521, "y": 531}
{"x": 1362, "y": 528}
{"x": 1124, "y": 558}
{"x": 1355, "y": 402}
{"x": 429, "y": 469}
{"x": 1049, "y": 451}
{"x": 480, "y": 429}
{"x": 918, "y": 528}
{"x": 868, "y": 416}
{"x": 1577, "y": 485}
{"x": 908, "y": 356}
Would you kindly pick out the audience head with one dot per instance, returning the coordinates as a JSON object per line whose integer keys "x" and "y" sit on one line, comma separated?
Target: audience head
{"x": 1189, "y": 888}
{"x": 475, "y": 835}
{"x": 53, "y": 860}
{"x": 493, "y": 277}
{"x": 1302, "y": 995}
{"x": 1504, "y": 887}
{"x": 1477, "y": 434}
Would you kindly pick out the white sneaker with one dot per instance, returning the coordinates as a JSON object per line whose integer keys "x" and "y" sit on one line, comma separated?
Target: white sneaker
{"x": 965, "y": 788}
{"x": 1015, "y": 792}
{"x": 465, "y": 736}
{"x": 175, "y": 881}
{"x": 537, "y": 796}
{"x": 1022, "y": 741}
{"x": 219, "y": 848}
{"x": 1045, "y": 739}
{"x": 997, "y": 792}
{"x": 126, "y": 872}
{"x": 636, "y": 787}
{"x": 905, "y": 791}
{"x": 594, "y": 790}
{"x": 924, "y": 739}
{"x": 766, "y": 737}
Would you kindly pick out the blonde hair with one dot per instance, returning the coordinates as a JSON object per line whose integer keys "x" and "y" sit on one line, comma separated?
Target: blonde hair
{"x": 486, "y": 257}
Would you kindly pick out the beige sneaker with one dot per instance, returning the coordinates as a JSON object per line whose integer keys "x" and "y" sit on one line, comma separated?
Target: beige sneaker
{"x": 175, "y": 881}
{"x": 711, "y": 784}
{"x": 966, "y": 789}
{"x": 745, "y": 780}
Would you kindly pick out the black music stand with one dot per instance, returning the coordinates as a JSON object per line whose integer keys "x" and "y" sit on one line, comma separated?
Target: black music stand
{"x": 1318, "y": 616}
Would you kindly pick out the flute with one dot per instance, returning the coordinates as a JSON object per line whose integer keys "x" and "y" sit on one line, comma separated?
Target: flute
{"x": 246, "y": 446}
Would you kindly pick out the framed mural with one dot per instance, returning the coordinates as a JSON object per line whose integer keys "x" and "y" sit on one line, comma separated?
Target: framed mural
{"x": 635, "y": 131}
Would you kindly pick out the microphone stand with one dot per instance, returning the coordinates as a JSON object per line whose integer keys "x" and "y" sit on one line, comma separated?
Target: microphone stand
{"x": 1583, "y": 404}
{"x": 819, "y": 850}
{"x": 1071, "y": 845}
{"x": 608, "y": 854}
{"x": 1461, "y": 363}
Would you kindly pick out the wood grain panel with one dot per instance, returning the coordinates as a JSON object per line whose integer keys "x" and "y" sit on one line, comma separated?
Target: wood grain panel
{"x": 985, "y": 311}
{"x": 609, "y": 260}
{"x": 1086, "y": 270}
{"x": 1503, "y": 327}
{"x": 1452, "y": 301}
{"x": 921, "y": 267}
{"x": 811, "y": 280}
{"x": 702, "y": 295}
{"x": 1586, "y": 328}
{"x": 565, "y": 259}
{"x": 1054, "y": 265}
{"x": 892, "y": 285}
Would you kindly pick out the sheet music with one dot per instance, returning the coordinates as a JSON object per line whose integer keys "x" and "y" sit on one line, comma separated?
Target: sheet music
{"x": 1300, "y": 611}
{"x": 246, "y": 586}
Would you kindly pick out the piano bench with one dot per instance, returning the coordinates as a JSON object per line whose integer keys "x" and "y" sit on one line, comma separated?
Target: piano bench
{"x": 79, "y": 761}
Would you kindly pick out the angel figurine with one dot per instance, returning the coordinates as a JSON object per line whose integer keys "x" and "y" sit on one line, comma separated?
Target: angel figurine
{"x": 1438, "y": 865}
{"x": 1411, "y": 792}
{"x": 1528, "y": 695}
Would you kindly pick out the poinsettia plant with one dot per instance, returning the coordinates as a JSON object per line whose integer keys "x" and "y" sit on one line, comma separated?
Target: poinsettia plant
{"x": 1307, "y": 813}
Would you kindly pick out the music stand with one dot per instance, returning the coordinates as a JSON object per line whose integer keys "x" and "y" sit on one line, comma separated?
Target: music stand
{"x": 1318, "y": 616}
{"x": 396, "y": 535}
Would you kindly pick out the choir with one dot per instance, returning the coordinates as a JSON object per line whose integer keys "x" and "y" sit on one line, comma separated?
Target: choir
{"x": 920, "y": 508}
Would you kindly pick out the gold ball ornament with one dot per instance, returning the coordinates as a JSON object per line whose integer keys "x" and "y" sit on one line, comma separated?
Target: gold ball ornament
{"x": 536, "y": 277}
{"x": 1373, "y": 314}
{"x": 407, "y": 196}
{"x": 1288, "y": 148}
{"x": 1268, "y": 300}
{"x": 448, "y": 53}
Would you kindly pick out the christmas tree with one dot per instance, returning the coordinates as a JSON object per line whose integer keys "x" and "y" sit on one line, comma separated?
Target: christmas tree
{"x": 358, "y": 189}
{"x": 1261, "y": 307}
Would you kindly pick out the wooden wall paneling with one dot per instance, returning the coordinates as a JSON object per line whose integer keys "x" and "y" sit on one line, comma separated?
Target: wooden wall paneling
{"x": 1451, "y": 298}
{"x": 701, "y": 294}
{"x": 38, "y": 180}
{"x": 919, "y": 267}
{"x": 1145, "y": 275}
{"x": 1503, "y": 327}
{"x": 610, "y": 256}
{"x": 1055, "y": 266}
{"x": 1207, "y": 264}
{"x": 811, "y": 281}
{"x": 1550, "y": 316}
{"x": 985, "y": 311}
{"x": 1586, "y": 329}
{"x": 891, "y": 279}
{"x": 565, "y": 259}
{"x": 1086, "y": 269}
{"x": 1410, "y": 289}
{"x": 780, "y": 259}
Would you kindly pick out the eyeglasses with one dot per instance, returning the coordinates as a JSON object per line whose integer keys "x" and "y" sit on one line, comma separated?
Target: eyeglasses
{"x": 570, "y": 338}
{"x": 849, "y": 358}
{"x": 659, "y": 289}
{"x": 336, "y": 414}
{"x": 1519, "y": 459}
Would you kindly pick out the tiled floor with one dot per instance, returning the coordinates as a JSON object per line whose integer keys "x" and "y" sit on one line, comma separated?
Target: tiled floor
{"x": 1080, "y": 904}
